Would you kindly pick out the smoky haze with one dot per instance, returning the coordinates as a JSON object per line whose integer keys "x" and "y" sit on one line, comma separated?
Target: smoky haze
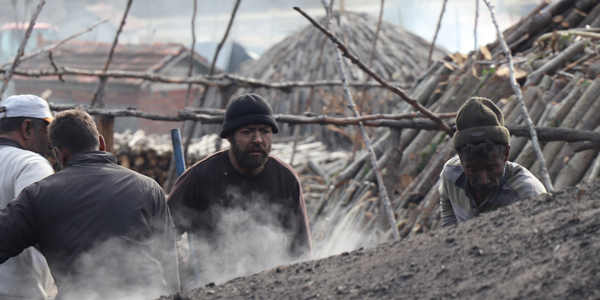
{"x": 245, "y": 240}
{"x": 118, "y": 268}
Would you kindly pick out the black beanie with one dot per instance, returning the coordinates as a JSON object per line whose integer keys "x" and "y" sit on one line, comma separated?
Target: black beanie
{"x": 479, "y": 120}
{"x": 246, "y": 110}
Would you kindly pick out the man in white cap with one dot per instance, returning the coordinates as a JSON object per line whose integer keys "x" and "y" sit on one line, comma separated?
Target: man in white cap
{"x": 24, "y": 121}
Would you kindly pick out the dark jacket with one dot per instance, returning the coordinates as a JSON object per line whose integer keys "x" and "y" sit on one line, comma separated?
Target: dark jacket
{"x": 104, "y": 230}
{"x": 241, "y": 223}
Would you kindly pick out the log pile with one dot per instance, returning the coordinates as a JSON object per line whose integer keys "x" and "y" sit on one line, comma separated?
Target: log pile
{"x": 151, "y": 155}
{"x": 308, "y": 56}
{"x": 558, "y": 66}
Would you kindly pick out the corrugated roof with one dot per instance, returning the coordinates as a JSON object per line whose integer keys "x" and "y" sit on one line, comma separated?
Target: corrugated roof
{"x": 93, "y": 56}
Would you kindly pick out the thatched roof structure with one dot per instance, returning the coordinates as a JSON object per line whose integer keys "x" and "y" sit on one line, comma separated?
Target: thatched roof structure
{"x": 308, "y": 55}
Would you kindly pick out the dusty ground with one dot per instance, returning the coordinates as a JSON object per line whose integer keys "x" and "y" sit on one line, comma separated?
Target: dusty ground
{"x": 542, "y": 248}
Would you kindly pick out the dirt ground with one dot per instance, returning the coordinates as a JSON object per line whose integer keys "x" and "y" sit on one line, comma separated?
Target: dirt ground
{"x": 542, "y": 248}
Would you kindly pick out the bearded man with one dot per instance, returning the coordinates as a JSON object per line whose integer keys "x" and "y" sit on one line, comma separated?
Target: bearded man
{"x": 243, "y": 206}
{"x": 481, "y": 179}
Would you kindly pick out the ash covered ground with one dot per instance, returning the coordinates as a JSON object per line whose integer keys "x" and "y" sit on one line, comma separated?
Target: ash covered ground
{"x": 541, "y": 248}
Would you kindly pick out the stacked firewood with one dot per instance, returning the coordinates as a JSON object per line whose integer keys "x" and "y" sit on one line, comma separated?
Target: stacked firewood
{"x": 558, "y": 70}
{"x": 151, "y": 155}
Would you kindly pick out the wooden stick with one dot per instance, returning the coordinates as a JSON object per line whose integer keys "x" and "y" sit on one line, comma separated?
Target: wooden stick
{"x": 534, "y": 77}
{"x": 98, "y": 99}
{"x": 21, "y": 49}
{"x": 382, "y": 191}
{"x": 53, "y": 46}
{"x": 220, "y": 80}
{"x": 55, "y": 65}
{"x": 543, "y": 133}
{"x": 192, "y": 52}
{"x": 475, "y": 27}
{"x": 513, "y": 82}
{"x": 221, "y": 112}
{"x": 385, "y": 83}
{"x": 192, "y": 127}
{"x": 439, "y": 24}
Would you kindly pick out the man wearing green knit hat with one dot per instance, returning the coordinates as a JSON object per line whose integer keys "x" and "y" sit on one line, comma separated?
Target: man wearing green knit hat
{"x": 480, "y": 178}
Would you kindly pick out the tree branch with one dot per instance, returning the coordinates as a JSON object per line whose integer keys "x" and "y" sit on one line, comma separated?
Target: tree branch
{"x": 513, "y": 82}
{"x": 21, "y": 49}
{"x": 383, "y": 82}
{"x": 192, "y": 127}
{"x": 53, "y": 46}
{"x": 380, "y": 182}
{"x": 99, "y": 94}
{"x": 439, "y": 24}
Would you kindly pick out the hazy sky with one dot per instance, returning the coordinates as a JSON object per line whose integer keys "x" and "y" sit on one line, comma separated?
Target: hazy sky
{"x": 261, "y": 23}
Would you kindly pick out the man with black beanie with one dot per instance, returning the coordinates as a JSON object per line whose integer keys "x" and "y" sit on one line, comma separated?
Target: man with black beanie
{"x": 243, "y": 207}
{"x": 481, "y": 179}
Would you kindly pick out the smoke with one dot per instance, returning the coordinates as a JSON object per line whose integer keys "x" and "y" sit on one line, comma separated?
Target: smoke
{"x": 246, "y": 239}
{"x": 333, "y": 235}
{"x": 118, "y": 268}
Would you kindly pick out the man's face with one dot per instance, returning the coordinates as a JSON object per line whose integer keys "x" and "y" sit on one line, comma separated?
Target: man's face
{"x": 485, "y": 173}
{"x": 251, "y": 145}
{"x": 39, "y": 142}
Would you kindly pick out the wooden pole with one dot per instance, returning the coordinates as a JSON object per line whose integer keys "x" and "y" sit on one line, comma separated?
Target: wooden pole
{"x": 513, "y": 82}
{"x": 382, "y": 191}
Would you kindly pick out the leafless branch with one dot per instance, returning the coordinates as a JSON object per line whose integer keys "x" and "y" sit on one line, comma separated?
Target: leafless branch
{"x": 99, "y": 94}
{"x": 192, "y": 52}
{"x": 219, "y": 80}
{"x": 513, "y": 82}
{"x": 57, "y": 44}
{"x": 378, "y": 78}
{"x": 192, "y": 127}
{"x": 21, "y": 49}
{"x": 381, "y": 184}
{"x": 55, "y": 65}
{"x": 353, "y": 120}
{"x": 439, "y": 24}
{"x": 546, "y": 134}
{"x": 475, "y": 27}
{"x": 220, "y": 45}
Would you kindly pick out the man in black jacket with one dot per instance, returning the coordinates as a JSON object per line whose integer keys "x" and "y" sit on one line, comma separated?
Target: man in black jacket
{"x": 105, "y": 231}
{"x": 243, "y": 207}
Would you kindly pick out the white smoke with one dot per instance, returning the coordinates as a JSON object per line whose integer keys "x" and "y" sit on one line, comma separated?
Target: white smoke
{"x": 115, "y": 269}
{"x": 249, "y": 240}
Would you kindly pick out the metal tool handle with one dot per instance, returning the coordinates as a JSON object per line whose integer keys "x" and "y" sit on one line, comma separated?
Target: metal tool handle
{"x": 180, "y": 168}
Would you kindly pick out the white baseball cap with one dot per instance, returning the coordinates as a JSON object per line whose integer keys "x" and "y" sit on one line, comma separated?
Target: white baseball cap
{"x": 28, "y": 106}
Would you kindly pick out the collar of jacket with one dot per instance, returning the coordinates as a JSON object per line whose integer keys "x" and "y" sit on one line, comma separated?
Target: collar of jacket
{"x": 9, "y": 142}
{"x": 93, "y": 157}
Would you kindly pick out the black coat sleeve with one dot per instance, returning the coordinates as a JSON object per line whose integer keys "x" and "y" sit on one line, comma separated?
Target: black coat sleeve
{"x": 17, "y": 227}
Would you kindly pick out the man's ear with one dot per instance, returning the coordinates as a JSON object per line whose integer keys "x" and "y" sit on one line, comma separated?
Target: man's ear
{"x": 27, "y": 129}
{"x": 101, "y": 143}
{"x": 507, "y": 153}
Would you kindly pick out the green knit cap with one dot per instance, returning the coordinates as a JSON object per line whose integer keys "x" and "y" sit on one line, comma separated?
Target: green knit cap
{"x": 479, "y": 120}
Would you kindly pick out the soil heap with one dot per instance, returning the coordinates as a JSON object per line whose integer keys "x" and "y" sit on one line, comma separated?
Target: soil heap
{"x": 541, "y": 248}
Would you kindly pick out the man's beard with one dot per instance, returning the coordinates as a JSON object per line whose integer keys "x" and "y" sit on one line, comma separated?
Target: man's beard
{"x": 250, "y": 162}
